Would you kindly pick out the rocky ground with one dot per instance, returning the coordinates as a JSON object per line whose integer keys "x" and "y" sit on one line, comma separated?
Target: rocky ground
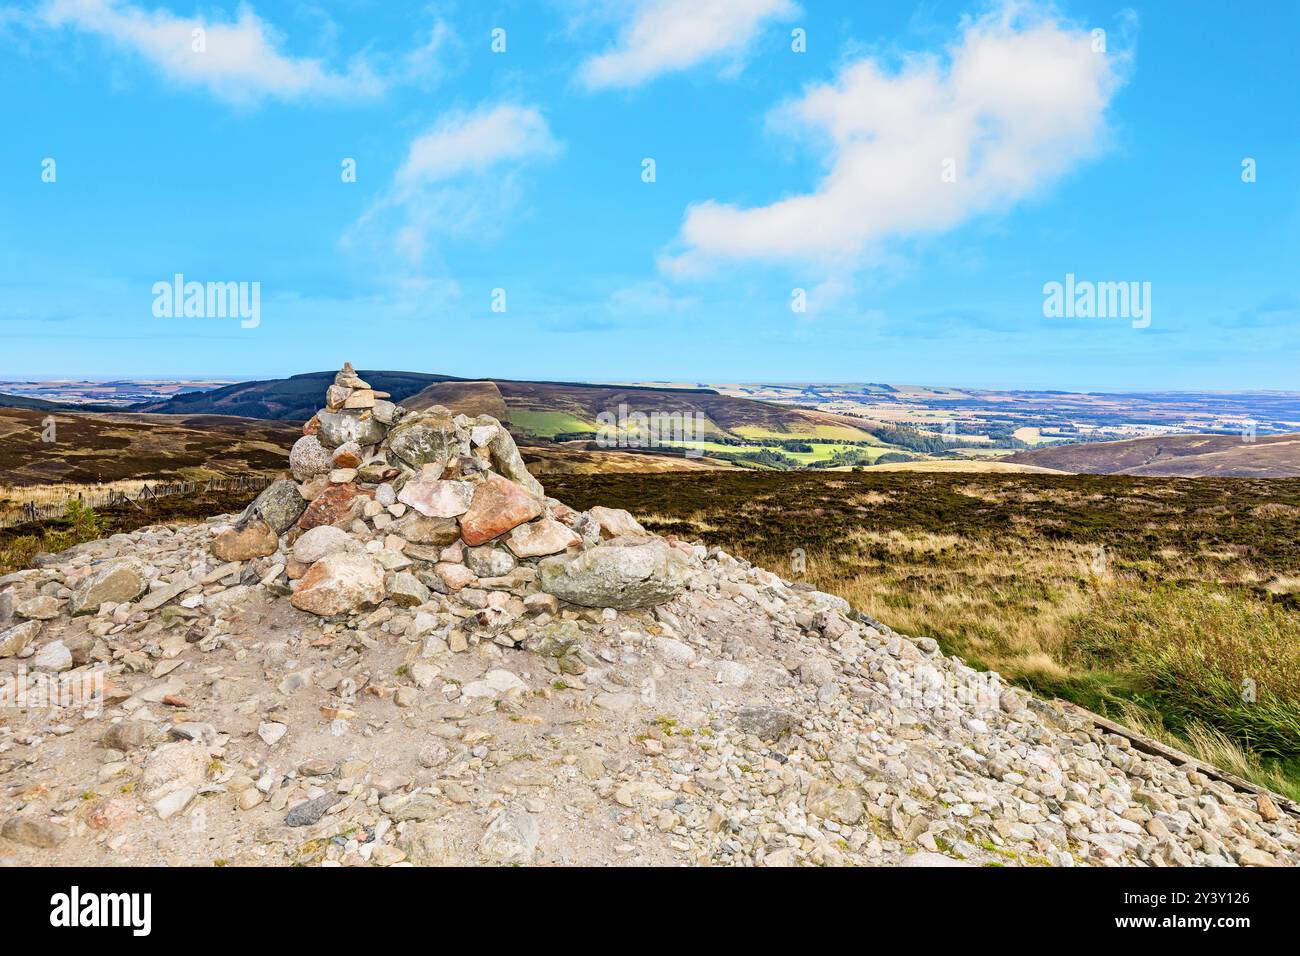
{"x": 409, "y": 655}
{"x": 744, "y": 722}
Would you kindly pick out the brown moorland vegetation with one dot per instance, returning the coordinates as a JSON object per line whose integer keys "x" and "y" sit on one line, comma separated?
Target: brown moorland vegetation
{"x": 90, "y": 448}
{"x": 1166, "y": 602}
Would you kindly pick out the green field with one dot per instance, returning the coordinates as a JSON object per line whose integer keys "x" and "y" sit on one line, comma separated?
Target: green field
{"x": 843, "y": 432}
{"x": 546, "y": 424}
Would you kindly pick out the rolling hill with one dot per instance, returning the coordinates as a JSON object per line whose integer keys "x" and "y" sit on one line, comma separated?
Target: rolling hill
{"x": 533, "y": 409}
{"x": 566, "y": 416}
{"x": 1186, "y": 456}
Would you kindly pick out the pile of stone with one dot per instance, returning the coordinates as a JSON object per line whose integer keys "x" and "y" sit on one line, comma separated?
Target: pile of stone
{"x": 390, "y": 505}
{"x": 407, "y": 654}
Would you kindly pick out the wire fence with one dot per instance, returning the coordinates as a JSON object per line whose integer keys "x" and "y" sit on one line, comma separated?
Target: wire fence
{"x": 32, "y": 512}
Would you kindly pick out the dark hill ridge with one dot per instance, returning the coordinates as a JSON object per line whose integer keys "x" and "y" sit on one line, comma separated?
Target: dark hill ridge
{"x": 295, "y": 398}
{"x": 576, "y": 404}
{"x": 282, "y": 399}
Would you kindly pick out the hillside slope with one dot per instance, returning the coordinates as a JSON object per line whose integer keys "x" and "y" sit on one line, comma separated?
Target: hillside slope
{"x": 544, "y": 409}
{"x": 1186, "y": 456}
{"x": 93, "y": 447}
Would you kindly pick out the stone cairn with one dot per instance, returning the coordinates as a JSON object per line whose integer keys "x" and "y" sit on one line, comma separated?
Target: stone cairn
{"x": 425, "y": 507}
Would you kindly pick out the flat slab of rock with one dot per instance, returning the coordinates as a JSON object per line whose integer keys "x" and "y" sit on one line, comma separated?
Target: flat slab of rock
{"x": 117, "y": 581}
{"x": 31, "y": 831}
{"x": 620, "y": 576}
{"x": 926, "y": 858}
{"x": 439, "y": 498}
{"x": 541, "y": 537}
{"x": 615, "y": 522}
{"x": 495, "y": 683}
{"x": 489, "y": 561}
{"x": 54, "y": 656}
{"x": 160, "y": 596}
{"x": 16, "y": 639}
{"x": 434, "y": 532}
{"x": 43, "y": 607}
{"x": 407, "y": 591}
{"x": 320, "y": 541}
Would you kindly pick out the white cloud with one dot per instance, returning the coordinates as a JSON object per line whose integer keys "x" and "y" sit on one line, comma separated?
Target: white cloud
{"x": 460, "y": 178}
{"x": 1018, "y": 101}
{"x": 667, "y": 35}
{"x": 424, "y": 65}
{"x": 239, "y": 60}
{"x": 467, "y": 142}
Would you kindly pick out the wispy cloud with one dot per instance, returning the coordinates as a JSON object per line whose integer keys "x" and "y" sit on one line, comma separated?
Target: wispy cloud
{"x": 1017, "y": 102}
{"x": 238, "y": 60}
{"x": 460, "y": 177}
{"x": 663, "y": 36}
{"x": 472, "y": 142}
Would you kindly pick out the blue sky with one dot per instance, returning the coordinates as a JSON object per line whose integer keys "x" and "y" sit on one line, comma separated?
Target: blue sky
{"x": 775, "y": 171}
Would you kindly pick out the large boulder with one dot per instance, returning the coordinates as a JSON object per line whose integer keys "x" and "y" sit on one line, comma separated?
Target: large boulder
{"x": 338, "y": 428}
{"x": 499, "y": 504}
{"x": 635, "y": 573}
{"x": 116, "y": 581}
{"x": 308, "y": 458}
{"x": 427, "y": 437}
{"x": 339, "y": 583}
{"x": 279, "y": 505}
{"x": 246, "y": 540}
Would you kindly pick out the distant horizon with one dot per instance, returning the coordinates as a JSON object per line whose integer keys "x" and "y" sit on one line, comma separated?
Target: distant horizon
{"x": 227, "y": 380}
